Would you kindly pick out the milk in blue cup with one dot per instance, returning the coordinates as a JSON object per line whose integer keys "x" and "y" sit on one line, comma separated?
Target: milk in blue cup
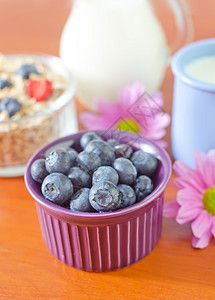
{"x": 202, "y": 69}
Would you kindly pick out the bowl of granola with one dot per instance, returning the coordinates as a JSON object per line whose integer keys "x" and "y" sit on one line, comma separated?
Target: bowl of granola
{"x": 36, "y": 107}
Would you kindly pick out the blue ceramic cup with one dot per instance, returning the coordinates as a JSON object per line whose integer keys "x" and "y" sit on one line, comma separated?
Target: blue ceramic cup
{"x": 193, "y": 115}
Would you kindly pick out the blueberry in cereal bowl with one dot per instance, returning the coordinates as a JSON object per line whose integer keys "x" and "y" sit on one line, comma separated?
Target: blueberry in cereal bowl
{"x": 36, "y": 107}
{"x": 90, "y": 219}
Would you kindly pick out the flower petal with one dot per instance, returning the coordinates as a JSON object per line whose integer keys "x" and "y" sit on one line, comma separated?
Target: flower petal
{"x": 178, "y": 183}
{"x": 170, "y": 209}
{"x": 154, "y": 125}
{"x": 108, "y": 109}
{"x": 93, "y": 121}
{"x": 193, "y": 179}
{"x": 200, "y": 161}
{"x": 157, "y": 97}
{"x": 145, "y": 131}
{"x": 203, "y": 241}
{"x": 210, "y": 170}
{"x": 181, "y": 168}
{"x": 213, "y": 226}
{"x": 155, "y": 128}
{"x": 189, "y": 195}
{"x": 131, "y": 95}
{"x": 204, "y": 166}
{"x": 146, "y": 110}
{"x": 187, "y": 213}
{"x": 154, "y": 134}
{"x": 202, "y": 224}
{"x": 211, "y": 153}
{"x": 159, "y": 120}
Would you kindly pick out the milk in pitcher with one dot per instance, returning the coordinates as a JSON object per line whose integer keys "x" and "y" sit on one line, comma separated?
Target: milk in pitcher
{"x": 111, "y": 43}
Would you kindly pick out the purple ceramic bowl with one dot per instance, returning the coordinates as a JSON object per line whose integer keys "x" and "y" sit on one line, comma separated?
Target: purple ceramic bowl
{"x": 107, "y": 241}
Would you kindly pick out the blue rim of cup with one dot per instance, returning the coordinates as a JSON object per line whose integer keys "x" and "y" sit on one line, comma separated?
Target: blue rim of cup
{"x": 194, "y": 50}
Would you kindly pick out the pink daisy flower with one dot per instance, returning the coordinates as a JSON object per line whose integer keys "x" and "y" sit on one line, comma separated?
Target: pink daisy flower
{"x": 135, "y": 111}
{"x": 195, "y": 201}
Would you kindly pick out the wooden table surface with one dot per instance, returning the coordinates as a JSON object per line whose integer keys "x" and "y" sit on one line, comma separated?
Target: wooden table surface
{"x": 27, "y": 270}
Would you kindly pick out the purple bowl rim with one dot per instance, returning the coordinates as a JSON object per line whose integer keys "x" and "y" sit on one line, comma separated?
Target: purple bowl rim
{"x": 167, "y": 164}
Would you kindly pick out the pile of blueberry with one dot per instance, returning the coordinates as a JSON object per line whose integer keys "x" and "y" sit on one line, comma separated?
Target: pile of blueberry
{"x": 105, "y": 176}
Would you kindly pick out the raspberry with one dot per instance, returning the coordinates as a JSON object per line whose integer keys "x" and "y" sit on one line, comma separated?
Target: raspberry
{"x": 39, "y": 89}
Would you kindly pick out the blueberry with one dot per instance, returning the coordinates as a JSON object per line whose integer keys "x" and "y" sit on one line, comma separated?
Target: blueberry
{"x": 143, "y": 187}
{"x": 104, "y": 196}
{"x": 123, "y": 150}
{"x": 127, "y": 195}
{"x": 38, "y": 170}
{"x": 4, "y": 83}
{"x": 79, "y": 178}
{"x": 105, "y": 173}
{"x": 126, "y": 170}
{"x": 72, "y": 153}
{"x": 88, "y": 137}
{"x": 113, "y": 142}
{"x": 88, "y": 161}
{"x": 80, "y": 201}
{"x": 26, "y": 70}
{"x": 103, "y": 150}
{"x": 73, "y": 156}
{"x": 58, "y": 161}
{"x": 57, "y": 188}
{"x": 145, "y": 163}
{"x": 10, "y": 105}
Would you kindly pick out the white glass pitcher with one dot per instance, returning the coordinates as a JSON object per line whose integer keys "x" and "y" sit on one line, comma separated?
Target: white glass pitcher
{"x": 111, "y": 43}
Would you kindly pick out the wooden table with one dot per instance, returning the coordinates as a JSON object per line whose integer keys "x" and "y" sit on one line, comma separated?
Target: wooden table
{"x": 27, "y": 270}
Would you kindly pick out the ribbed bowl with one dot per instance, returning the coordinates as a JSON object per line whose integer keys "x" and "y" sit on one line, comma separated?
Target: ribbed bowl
{"x": 108, "y": 241}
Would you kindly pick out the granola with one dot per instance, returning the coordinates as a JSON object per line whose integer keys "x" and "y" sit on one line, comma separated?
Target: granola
{"x": 23, "y": 130}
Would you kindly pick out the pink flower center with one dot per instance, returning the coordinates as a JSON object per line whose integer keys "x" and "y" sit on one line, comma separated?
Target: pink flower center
{"x": 209, "y": 201}
{"x": 128, "y": 125}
